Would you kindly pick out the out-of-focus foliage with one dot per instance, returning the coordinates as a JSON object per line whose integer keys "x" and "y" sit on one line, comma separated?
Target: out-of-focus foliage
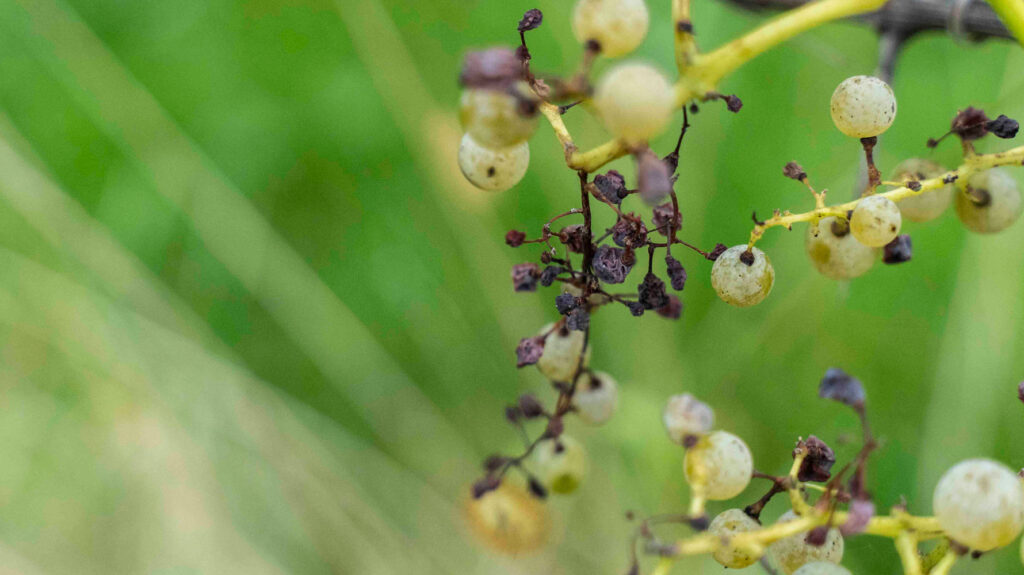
{"x": 253, "y": 321}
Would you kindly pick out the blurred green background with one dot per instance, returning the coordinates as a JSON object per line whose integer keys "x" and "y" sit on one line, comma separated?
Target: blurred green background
{"x": 253, "y": 321}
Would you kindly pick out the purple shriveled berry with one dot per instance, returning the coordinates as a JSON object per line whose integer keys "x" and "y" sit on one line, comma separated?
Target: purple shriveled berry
{"x": 515, "y": 238}
{"x": 529, "y": 350}
{"x": 676, "y": 273}
{"x": 840, "y": 386}
{"x": 899, "y": 250}
{"x": 609, "y": 265}
{"x": 524, "y": 277}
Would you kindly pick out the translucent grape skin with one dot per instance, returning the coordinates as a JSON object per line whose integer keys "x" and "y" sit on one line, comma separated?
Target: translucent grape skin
{"x": 495, "y": 119}
{"x": 685, "y": 415}
{"x": 561, "y": 355}
{"x": 837, "y": 256}
{"x": 559, "y": 464}
{"x": 822, "y": 568}
{"x": 980, "y": 503}
{"x": 493, "y": 170}
{"x": 617, "y": 26}
{"x": 1001, "y": 205}
{"x": 727, "y": 463}
{"x": 725, "y": 525}
{"x": 863, "y": 106}
{"x": 927, "y": 205}
{"x": 635, "y": 101}
{"x": 596, "y": 397}
{"x": 876, "y": 221}
{"x": 793, "y": 552}
{"x": 740, "y": 284}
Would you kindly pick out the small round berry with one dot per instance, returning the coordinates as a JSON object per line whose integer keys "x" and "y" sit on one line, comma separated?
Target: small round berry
{"x": 596, "y": 397}
{"x": 686, "y": 416}
{"x": 729, "y": 523}
{"x": 497, "y": 119}
{"x": 617, "y": 26}
{"x": 834, "y": 251}
{"x": 561, "y": 356}
{"x": 740, "y": 279}
{"x": 822, "y": 568}
{"x": 980, "y": 503}
{"x": 794, "y": 551}
{"x": 876, "y": 221}
{"x": 508, "y": 520}
{"x": 635, "y": 101}
{"x": 925, "y": 206}
{"x": 991, "y": 203}
{"x": 559, "y": 464}
{"x": 723, "y": 461}
{"x": 863, "y": 106}
{"x": 493, "y": 170}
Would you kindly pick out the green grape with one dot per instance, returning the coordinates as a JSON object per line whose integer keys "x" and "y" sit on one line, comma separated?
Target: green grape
{"x": 994, "y": 205}
{"x": 863, "y": 106}
{"x": 740, "y": 283}
{"x": 596, "y": 397}
{"x": 727, "y": 465}
{"x": 493, "y": 170}
{"x": 617, "y": 26}
{"x": 980, "y": 503}
{"x": 876, "y": 221}
{"x": 793, "y": 552}
{"x": 725, "y": 525}
{"x": 635, "y": 101}
{"x": 561, "y": 357}
{"x": 685, "y": 416}
{"x": 559, "y": 464}
{"x": 834, "y": 251}
{"x": 497, "y": 119}
{"x": 927, "y": 205}
{"x": 822, "y": 568}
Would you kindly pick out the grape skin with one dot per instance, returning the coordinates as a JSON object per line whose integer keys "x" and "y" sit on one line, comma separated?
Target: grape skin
{"x": 740, "y": 284}
{"x": 561, "y": 355}
{"x": 727, "y": 524}
{"x": 1003, "y": 208}
{"x": 727, "y": 463}
{"x": 509, "y": 519}
{"x": 863, "y": 107}
{"x": 635, "y": 101}
{"x": 494, "y": 119}
{"x": 794, "y": 551}
{"x": 618, "y": 26}
{"x": 837, "y": 257}
{"x": 559, "y": 464}
{"x": 685, "y": 415}
{"x": 493, "y": 170}
{"x": 876, "y": 221}
{"x": 980, "y": 503}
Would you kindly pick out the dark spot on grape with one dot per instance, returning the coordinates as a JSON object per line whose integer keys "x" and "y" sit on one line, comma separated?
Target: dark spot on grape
{"x": 491, "y": 171}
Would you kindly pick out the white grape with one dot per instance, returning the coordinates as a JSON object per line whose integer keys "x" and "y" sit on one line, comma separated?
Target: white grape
{"x": 508, "y": 519}
{"x": 635, "y": 101}
{"x": 725, "y": 525}
{"x": 925, "y": 206}
{"x": 493, "y": 170}
{"x": 876, "y": 221}
{"x": 793, "y": 552}
{"x": 863, "y": 106}
{"x": 617, "y": 26}
{"x": 724, "y": 463}
{"x": 495, "y": 119}
{"x": 822, "y": 568}
{"x": 561, "y": 356}
{"x": 738, "y": 283}
{"x": 980, "y": 503}
{"x": 685, "y": 416}
{"x": 837, "y": 256}
{"x": 1001, "y": 206}
{"x": 596, "y": 397}
{"x": 559, "y": 464}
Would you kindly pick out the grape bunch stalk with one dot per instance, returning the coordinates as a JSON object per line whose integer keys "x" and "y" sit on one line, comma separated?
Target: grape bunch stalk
{"x": 501, "y": 106}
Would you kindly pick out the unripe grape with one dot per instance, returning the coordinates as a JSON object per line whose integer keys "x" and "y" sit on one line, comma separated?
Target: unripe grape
{"x": 618, "y": 26}
{"x": 508, "y": 519}
{"x": 876, "y": 221}
{"x": 863, "y": 106}
{"x": 723, "y": 461}
{"x": 635, "y": 101}
{"x": 685, "y": 415}
{"x": 596, "y": 397}
{"x": 992, "y": 204}
{"x": 822, "y": 568}
{"x": 729, "y": 523}
{"x": 793, "y": 552}
{"x": 740, "y": 283}
{"x": 980, "y": 503}
{"x": 493, "y": 170}
{"x": 559, "y": 464}
{"x": 497, "y": 119}
{"x": 927, "y": 205}
{"x": 837, "y": 255}
{"x": 561, "y": 356}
